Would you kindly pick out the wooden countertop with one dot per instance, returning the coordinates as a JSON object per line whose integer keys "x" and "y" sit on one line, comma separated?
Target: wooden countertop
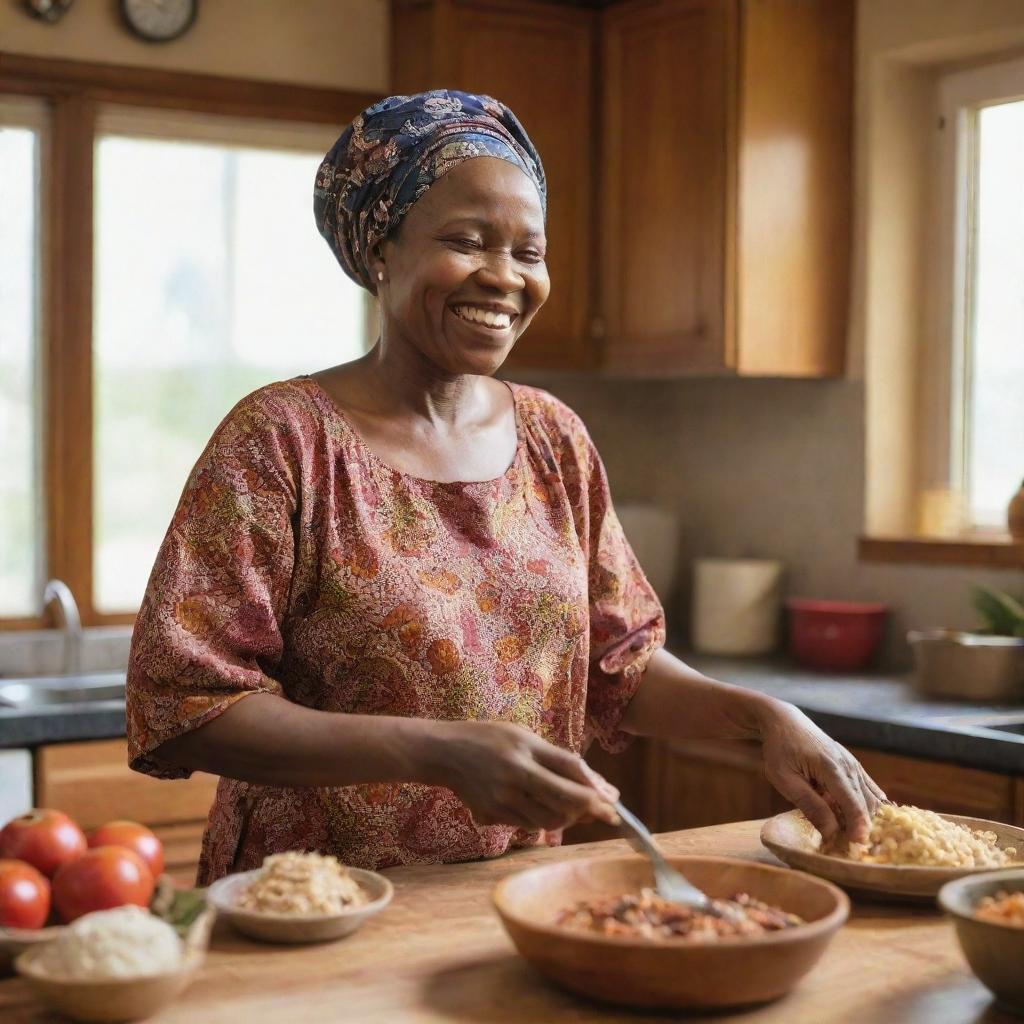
{"x": 439, "y": 954}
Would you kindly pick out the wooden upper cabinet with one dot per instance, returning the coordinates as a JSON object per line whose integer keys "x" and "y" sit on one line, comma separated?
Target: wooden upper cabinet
{"x": 725, "y": 204}
{"x": 698, "y": 155}
{"x": 794, "y": 187}
{"x": 665, "y": 82}
{"x": 539, "y": 60}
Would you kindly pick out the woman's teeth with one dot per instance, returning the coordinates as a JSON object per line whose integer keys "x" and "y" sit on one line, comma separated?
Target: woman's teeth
{"x": 499, "y": 321}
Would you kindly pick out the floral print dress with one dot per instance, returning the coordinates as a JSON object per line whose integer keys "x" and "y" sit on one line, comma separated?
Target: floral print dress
{"x": 298, "y": 563}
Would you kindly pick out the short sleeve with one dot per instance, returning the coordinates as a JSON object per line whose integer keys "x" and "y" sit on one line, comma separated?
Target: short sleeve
{"x": 627, "y": 623}
{"x": 208, "y": 631}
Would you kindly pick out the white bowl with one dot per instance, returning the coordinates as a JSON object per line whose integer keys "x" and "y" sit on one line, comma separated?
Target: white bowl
{"x": 296, "y": 928}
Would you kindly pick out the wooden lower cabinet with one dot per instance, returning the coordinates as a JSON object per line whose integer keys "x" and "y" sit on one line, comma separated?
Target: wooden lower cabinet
{"x": 92, "y": 782}
{"x": 692, "y": 783}
{"x": 939, "y": 786}
{"x": 700, "y": 782}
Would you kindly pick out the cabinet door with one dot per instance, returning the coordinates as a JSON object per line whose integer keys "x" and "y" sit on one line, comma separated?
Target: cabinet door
{"x": 537, "y": 59}
{"x": 793, "y": 205}
{"x": 710, "y": 782}
{"x": 92, "y": 782}
{"x": 669, "y": 69}
{"x": 629, "y": 772}
{"x": 941, "y": 787}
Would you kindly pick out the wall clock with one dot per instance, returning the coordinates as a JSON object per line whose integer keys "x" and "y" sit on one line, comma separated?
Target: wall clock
{"x": 159, "y": 21}
{"x": 48, "y": 10}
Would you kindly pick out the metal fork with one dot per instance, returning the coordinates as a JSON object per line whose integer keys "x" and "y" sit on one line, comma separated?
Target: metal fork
{"x": 670, "y": 884}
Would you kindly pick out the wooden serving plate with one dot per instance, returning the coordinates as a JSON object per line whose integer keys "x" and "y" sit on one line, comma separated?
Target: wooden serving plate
{"x": 796, "y": 842}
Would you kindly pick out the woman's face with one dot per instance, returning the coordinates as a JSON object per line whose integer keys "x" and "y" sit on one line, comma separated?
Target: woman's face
{"x": 465, "y": 274}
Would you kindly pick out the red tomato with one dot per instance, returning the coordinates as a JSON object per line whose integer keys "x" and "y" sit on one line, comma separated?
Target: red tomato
{"x": 24, "y": 895}
{"x": 45, "y": 839}
{"x": 107, "y": 877}
{"x": 132, "y": 836}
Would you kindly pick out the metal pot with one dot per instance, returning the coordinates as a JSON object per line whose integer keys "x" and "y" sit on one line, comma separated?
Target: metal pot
{"x": 968, "y": 666}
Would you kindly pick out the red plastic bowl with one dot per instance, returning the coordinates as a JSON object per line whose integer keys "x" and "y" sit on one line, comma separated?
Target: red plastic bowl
{"x": 836, "y": 636}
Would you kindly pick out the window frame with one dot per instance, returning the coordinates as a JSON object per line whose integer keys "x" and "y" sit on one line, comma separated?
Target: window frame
{"x": 74, "y": 92}
{"x": 946, "y": 384}
{"x": 30, "y": 112}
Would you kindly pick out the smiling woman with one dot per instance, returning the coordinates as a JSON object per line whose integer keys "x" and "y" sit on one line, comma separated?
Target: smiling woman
{"x": 413, "y": 571}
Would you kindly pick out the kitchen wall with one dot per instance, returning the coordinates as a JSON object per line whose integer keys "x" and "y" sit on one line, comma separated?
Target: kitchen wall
{"x": 764, "y": 468}
{"x": 341, "y": 44}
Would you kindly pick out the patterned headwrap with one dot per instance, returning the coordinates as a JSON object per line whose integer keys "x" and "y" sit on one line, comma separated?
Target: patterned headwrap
{"x": 394, "y": 151}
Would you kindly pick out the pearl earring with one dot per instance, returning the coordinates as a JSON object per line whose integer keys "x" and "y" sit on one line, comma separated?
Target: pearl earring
{"x": 380, "y": 275}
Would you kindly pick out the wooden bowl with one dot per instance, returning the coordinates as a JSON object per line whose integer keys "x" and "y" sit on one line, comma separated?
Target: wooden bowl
{"x": 117, "y": 999}
{"x": 298, "y": 928}
{"x": 667, "y": 974}
{"x": 796, "y": 842}
{"x": 14, "y": 941}
{"x": 995, "y": 952}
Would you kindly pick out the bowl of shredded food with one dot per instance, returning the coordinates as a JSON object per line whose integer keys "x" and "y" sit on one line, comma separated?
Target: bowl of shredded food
{"x": 598, "y": 928}
{"x": 300, "y": 897}
{"x": 988, "y": 913}
{"x": 910, "y": 853}
{"x": 120, "y": 964}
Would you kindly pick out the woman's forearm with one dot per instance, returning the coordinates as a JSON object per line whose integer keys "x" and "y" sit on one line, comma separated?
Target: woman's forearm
{"x": 675, "y": 701}
{"x": 269, "y": 740}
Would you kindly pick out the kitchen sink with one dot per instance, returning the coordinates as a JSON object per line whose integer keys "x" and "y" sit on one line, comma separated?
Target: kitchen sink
{"x": 51, "y": 691}
{"x": 1017, "y": 728}
{"x": 1011, "y": 722}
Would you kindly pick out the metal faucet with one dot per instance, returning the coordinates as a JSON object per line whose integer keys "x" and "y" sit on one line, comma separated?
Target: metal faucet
{"x": 69, "y": 621}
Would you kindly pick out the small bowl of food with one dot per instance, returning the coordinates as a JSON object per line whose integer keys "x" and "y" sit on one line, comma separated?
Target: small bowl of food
{"x": 988, "y": 913}
{"x": 909, "y": 855}
{"x": 120, "y": 964}
{"x": 597, "y": 928}
{"x": 300, "y": 897}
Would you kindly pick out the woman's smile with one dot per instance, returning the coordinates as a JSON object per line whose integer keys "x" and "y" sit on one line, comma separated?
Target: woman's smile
{"x": 484, "y": 321}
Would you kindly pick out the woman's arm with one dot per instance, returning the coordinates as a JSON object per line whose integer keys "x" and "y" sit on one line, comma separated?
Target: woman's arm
{"x": 503, "y": 773}
{"x": 272, "y": 741}
{"x": 818, "y": 775}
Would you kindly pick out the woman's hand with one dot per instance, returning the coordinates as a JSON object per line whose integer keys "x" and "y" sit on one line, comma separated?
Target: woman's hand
{"x": 818, "y": 775}
{"x": 506, "y": 775}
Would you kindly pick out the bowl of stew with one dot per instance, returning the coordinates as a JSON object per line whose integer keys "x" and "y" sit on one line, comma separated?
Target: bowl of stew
{"x": 595, "y": 927}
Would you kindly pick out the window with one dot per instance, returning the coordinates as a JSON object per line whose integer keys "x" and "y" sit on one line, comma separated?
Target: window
{"x": 981, "y": 253}
{"x": 158, "y": 261}
{"x": 210, "y": 281}
{"x": 993, "y": 377}
{"x": 20, "y": 534}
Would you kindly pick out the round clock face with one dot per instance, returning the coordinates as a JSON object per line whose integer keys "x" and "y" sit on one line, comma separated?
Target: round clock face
{"x": 159, "y": 20}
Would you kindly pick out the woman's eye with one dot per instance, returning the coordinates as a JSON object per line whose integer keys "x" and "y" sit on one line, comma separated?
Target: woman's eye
{"x": 467, "y": 243}
{"x": 531, "y": 256}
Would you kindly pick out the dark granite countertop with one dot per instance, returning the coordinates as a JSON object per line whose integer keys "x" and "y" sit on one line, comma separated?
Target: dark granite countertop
{"x": 880, "y": 712}
{"x": 96, "y": 720}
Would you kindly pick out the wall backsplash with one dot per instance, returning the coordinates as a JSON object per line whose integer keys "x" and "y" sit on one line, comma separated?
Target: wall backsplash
{"x": 764, "y": 468}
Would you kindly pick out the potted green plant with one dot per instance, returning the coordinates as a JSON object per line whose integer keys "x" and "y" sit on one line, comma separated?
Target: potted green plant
{"x": 1003, "y": 615}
